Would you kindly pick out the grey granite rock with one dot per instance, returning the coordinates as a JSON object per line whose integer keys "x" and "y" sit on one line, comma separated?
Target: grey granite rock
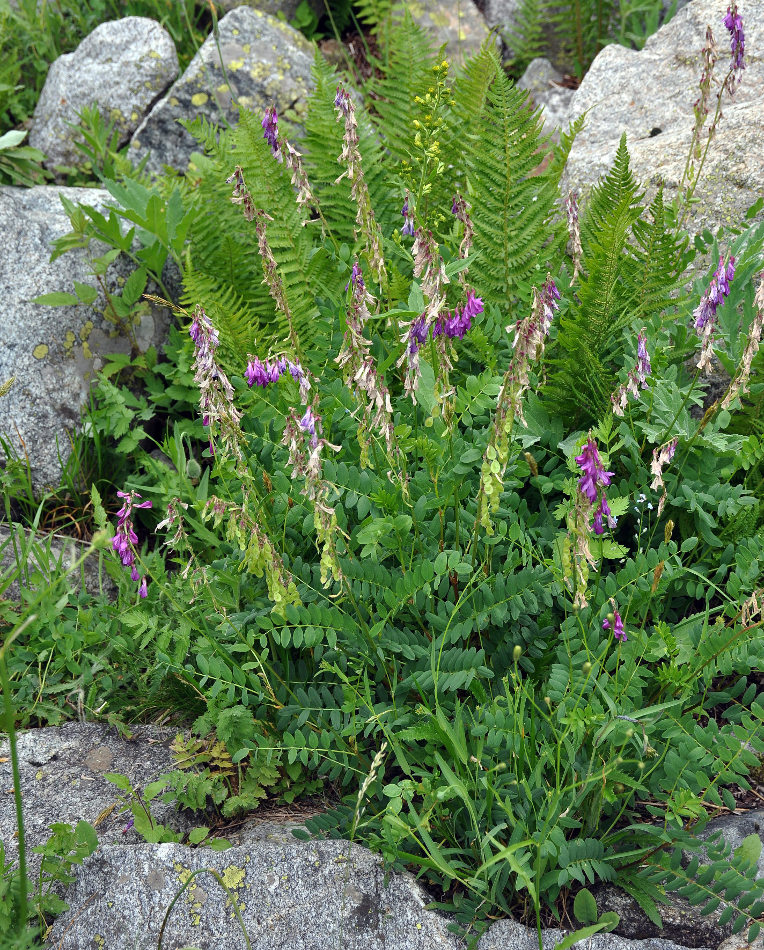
{"x": 53, "y": 351}
{"x": 650, "y": 95}
{"x": 57, "y": 551}
{"x": 283, "y": 9}
{"x": 292, "y": 895}
{"x": 509, "y": 935}
{"x": 734, "y": 828}
{"x": 62, "y": 780}
{"x": 267, "y": 62}
{"x": 541, "y": 80}
{"x": 682, "y": 923}
{"x": 457, "y": 23}
{"x": 123, "y": 67}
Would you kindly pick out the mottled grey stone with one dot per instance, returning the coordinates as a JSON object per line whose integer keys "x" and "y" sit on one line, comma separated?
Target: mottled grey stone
{"x": 540, "y": 79}
{"x": 317, "y": 895}
{"x": 122, "y": 67}
{"x": 53, "y": 351}
{"x": 650, "y": 96}
{"x": 267, "y": 62}
{"x": 457, "y": 23}
{"x": 284, "y": 9}
{"x": 734, "y": 828}
{"x": 57, "y": 552}
{"x": 681, "y": 922}
{"x": 62, "y": 780}
{"x": 509, "y": 935}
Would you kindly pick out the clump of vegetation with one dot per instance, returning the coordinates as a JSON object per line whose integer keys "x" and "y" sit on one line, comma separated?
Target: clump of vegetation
{"x": 445, "y": 518}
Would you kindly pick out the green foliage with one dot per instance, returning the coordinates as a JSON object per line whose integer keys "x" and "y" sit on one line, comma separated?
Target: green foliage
{"x": 332, "y": 612}
{"x": 576, "y": 30}
{"x": 19, "y": 164}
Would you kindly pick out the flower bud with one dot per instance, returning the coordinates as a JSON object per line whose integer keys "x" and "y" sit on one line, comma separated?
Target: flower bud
{"x": 587, "y": 668}
{"x": 193, "y": 468}
{"x": 517, "y": 653}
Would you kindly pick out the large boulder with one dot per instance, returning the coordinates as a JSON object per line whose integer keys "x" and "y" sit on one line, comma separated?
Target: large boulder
{"x": 266, "y": 62}
{"x": 54, "y": 351}
{"x": 650, "y": 94}
{"x": 456, "y": 23}
{"x": 506, "y": 16}
{"x": 122, "y": 67}
{"x": 62, "y": 771}
{"x": 542, "y": 81}
{"x": 283, "y": 9}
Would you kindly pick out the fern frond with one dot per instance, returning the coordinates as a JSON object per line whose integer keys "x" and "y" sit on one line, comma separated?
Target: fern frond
{"x": 589, "y": 332}
{"x": 405, "y": 65}
{"x": 511, "y": 219}
{"x": 322, "y": 145}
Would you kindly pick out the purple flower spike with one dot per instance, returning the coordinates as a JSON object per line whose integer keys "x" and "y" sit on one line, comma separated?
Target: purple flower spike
{"x": 270, "y": 131}
{"x": 734, "y": 23}
{"x": 408, "y": 218}
{"x": 643, "y": 360}
{"x": 356, "y": 278}
{"x": 594, "y": 472}
{"x": 342, "y": 100}
{"x": 125, "y": 539}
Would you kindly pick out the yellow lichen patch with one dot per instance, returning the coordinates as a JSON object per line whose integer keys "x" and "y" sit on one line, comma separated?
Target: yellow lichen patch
{"x": 233, "y": 877}
{"x": 69, "y": 340}
{"x": 86, "y": 329}
{"x": 199, "y": 98}
{"x": 153, "y": 54}
{"x": 86, "y": 351}
{"x": 98, "y": 940}
{"x": 174, "y": 101}
{"x": 236, "y": 64}
{"x": 223, "y": 87}
{"x": 133, "y": 116}
{"x": 40, "y": 351}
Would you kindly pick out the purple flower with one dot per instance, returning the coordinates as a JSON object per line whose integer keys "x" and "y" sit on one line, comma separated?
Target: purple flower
{"x": 342, "y": 100}
{"x": 603, "y": 511}
{"x": 408, "y": 218}
{"x": 643, "y": 360}
{"x": 256, "y": 373}
{"x": 308, "y": 424}
{"x": 356, "y": 278}
{"x": 142, "y": 590}
{"x": 617, "y": 623}
{"x": 270, "y": 131}
{"x": 718, "y": 289}
{"x": 125, "y": 539}
{"x": 418, "y": 332}
{"x": 594, "y": 472}
{"x": 734, "y": 23}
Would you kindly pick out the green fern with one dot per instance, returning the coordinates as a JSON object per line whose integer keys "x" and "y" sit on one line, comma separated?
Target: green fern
{"x": 322, "y": 145}
{"x": 511, "y": 219}
{"x": 590, "y": 331}
{"x": 405, "y": 67}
